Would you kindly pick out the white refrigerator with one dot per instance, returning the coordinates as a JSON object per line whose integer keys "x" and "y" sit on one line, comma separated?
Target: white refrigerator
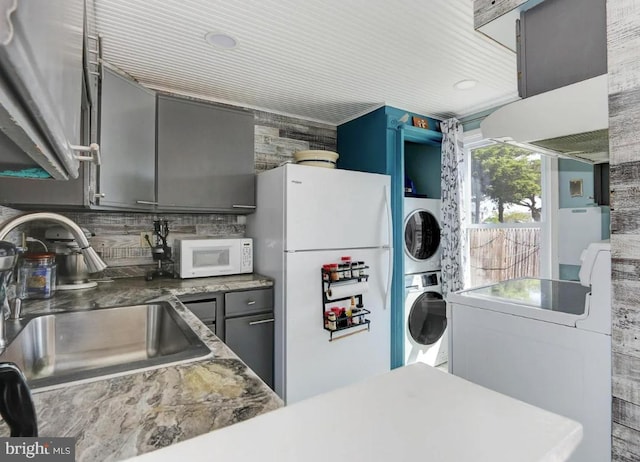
{"x": 307, "y": 217}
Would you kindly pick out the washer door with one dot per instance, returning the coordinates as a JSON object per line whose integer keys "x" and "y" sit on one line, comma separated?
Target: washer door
{"x": 421, "y": 235}
{"x": 427, "y": 319}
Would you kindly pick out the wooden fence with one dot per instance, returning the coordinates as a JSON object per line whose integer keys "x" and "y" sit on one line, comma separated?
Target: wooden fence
{"x": 503, "y": 253}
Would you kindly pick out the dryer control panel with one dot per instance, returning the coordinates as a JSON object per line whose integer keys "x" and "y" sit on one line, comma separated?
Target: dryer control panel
{"x": 430, "y": 279}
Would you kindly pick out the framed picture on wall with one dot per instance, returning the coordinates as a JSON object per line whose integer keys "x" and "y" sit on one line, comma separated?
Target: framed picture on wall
{"x": 575, "y": 188}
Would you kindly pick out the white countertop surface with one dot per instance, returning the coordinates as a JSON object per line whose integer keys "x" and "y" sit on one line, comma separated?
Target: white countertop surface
{"x": 411, "y": 413}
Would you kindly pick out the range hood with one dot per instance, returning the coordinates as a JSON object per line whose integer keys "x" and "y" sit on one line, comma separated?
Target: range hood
{"x": 571, "y": 121}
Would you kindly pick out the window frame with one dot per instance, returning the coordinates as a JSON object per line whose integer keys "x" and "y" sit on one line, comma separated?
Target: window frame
{"x": 549, "y": 268}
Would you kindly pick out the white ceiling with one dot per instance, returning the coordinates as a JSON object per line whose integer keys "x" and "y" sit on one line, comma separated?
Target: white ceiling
{"x": 325, "y": 60}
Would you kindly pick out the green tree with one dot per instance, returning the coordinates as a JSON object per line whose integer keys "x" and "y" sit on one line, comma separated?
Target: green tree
{"x": 510, "y": 217}
{"x": 507, "y": 175}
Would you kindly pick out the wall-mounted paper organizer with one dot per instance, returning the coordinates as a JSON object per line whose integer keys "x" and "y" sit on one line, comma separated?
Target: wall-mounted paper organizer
{"x": 343, "y": 290}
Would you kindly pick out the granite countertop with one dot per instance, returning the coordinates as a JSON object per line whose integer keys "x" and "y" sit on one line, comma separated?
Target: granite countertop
{"x": 114, "y": 292}
{"x": 122, "y": 416}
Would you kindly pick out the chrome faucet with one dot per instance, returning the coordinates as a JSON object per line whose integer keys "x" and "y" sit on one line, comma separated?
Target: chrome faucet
{"x": 92, "y": 260}
{"x": 9, "y": 256}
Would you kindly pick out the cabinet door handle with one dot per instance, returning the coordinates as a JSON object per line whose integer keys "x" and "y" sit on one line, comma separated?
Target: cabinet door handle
{"x": 264, "y": 321}
{"x": 93, "y": 148}
{"x": 146, "y": 202}
{"x": 251, "y": 302}
{"x": 243, "y": 206}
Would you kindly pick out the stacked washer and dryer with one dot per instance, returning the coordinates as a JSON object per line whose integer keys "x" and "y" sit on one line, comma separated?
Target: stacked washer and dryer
{"x": 425, "y": 311}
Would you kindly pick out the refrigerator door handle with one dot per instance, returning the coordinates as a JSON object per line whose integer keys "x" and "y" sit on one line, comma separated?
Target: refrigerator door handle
{"x": 390, "y": 246}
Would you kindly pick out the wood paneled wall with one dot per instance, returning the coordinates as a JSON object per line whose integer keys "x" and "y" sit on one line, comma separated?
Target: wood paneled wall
{"x": 485, "y": 11}
{"x": 623, "y": 49}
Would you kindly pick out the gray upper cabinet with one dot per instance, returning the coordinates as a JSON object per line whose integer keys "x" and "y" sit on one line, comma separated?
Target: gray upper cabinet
{"x": 30, "y": 193}
{"x": 205, "y": 157}
{"x": 561, "y": 42}
{"x": 40, "y": 86}
{"x": 127, "y": 172}
{"x": 127, "y": 143}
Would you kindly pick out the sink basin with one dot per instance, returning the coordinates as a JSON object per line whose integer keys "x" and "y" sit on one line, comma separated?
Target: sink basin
{"x": 66, "y": 347}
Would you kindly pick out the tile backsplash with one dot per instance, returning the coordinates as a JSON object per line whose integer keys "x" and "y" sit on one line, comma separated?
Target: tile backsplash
{"x": 118, "y": 234}
{"x": 277, "y": 137}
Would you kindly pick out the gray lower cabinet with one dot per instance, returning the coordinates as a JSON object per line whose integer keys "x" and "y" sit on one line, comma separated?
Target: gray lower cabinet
{"x": 244, "y": 321}
{"x": 205, "y": 157}
{"x": 248, "y": 329}
{"x": 251, "y": 338}
{"x": 204, "y": 306}
{"x": 127, "y": 140}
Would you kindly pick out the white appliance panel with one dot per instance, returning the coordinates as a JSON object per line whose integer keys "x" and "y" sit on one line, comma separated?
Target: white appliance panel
{"x": 420, "y": 206}
{"x": 416, "y": 291}
{"x": 595, "y": 273}
{"x": 558, "y": 368}
{"x": 577, "y": 228}
{"x": 335, "y": 209}
{"x": 302, "y": 213}
{"x": 313, "y": 365}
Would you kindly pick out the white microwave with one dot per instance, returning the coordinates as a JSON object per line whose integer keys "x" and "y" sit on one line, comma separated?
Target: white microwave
{"x": 203, "y": 257}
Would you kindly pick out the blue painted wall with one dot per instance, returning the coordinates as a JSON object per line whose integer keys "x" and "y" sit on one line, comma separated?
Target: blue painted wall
{"x": 473, "y": 121}
{"x": 362, "y": 143}
{"x": 423, "y": 163}
{"x": 569, "y": 272}
{"x": 574, "y": 170}
{"x": 606, "y": 222}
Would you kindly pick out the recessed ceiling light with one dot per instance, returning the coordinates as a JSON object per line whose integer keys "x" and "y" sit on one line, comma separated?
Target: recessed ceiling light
{"x": 220, "y": 40}
{"x": 465, "y": 84}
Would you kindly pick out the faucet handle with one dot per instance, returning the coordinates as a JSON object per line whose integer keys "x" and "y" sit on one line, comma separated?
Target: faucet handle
{"x": 16, "y": 309}
{"x": 10, "y": 291}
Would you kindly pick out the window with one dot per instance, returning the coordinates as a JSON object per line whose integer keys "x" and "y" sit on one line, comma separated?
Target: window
{"x": 508, "y": 232}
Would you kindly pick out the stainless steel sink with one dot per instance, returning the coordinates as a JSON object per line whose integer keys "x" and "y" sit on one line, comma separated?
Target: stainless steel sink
{"x": 66, "y": 347}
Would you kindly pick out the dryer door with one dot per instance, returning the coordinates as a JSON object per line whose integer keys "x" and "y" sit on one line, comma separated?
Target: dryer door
{"x": 421, "y": 235}
{"x": 427, "y": 319}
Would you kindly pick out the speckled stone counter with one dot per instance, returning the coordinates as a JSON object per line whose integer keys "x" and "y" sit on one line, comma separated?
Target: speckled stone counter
{"x": 121, "y": 416}
{"x": 136, "y": 290}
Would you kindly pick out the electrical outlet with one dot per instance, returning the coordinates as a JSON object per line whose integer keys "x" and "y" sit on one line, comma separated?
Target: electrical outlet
{"x": 143, "y": 241}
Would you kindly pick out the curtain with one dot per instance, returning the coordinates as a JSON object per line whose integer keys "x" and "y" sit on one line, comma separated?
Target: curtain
{"x": 452, "y": 213}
